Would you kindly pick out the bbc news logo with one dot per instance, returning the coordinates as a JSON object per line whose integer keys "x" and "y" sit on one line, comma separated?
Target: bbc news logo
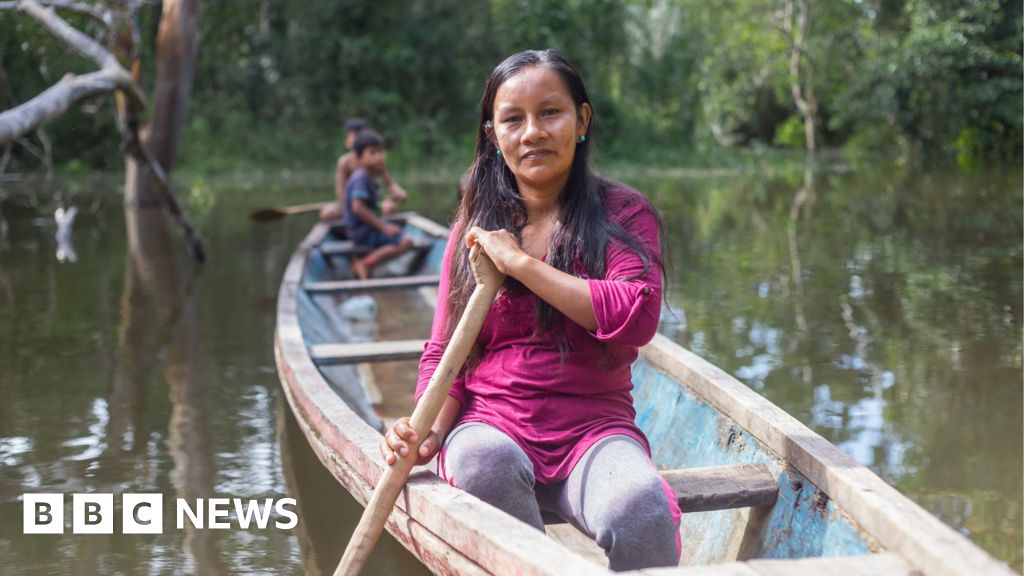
{"x": 143, "y": 513}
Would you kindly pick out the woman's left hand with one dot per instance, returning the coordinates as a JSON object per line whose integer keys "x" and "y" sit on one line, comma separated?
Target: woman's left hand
{"x": 501, "y": 247}
{"x": 567, "y": 293}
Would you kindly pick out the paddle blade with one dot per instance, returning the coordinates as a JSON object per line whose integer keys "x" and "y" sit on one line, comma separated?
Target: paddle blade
{"x": 266, "y": 214}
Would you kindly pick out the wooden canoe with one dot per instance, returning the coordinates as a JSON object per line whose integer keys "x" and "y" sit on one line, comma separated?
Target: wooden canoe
{"x": 762, "y": 494}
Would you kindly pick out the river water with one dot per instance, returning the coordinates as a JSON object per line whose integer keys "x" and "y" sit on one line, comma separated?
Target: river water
{"x": 881, "y": 307}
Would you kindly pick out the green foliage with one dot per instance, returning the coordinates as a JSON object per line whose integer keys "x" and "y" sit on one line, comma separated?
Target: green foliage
{"x": 790, "y": 133}
{"x": 671, "y": 80}
{"x": 948, "y": 81}
{"x": 32, "y": 60}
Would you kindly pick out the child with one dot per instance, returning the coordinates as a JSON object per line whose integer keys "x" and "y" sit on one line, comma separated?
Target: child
{"x": 362, "y": 193}
{"x": 347, "y": 165}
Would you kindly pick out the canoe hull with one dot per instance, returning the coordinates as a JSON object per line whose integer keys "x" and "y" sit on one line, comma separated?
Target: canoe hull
{"x": 686, "y": 432}
{"x": 694, "y": 414}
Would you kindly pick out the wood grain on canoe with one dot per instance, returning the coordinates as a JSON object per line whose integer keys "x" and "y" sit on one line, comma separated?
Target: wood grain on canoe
{"x": 337, "y": 286}
{"x": 899, "y": 524}
{"x": 869, "y": 565}
{"x": 723, "y": 487}
{"x": 356, "y": 352}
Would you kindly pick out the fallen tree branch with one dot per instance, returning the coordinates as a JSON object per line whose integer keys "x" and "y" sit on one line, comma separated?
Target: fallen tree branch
{"x": 78, "y": 41}
{"x": 56, "y": 100}
{"x": 71, "y": 89}
{"x": 135, "y": 146}
{"x": 169, "y": 200}
{"x": 100, "y": 15}
{"x": 112, "y": 77}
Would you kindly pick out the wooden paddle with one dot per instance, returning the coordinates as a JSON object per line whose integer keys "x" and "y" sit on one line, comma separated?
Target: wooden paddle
{"x": 278, "y": 212}
{"x": 391, "y": 482}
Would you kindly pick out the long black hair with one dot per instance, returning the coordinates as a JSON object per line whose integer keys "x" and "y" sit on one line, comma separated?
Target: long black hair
{"x": 490, "y": 199}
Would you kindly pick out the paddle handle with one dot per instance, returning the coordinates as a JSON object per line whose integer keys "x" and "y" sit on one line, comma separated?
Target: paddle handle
{"x": 301, "y": 208}
{"x": 391, "y": 482}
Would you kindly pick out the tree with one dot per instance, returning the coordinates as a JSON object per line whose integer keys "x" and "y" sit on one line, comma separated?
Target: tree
{"x": 943, "y": 77}
{"x": 152, "y": 148}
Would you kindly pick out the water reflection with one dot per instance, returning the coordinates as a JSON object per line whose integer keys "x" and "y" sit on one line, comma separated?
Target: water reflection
{"x": 158, "y": 327}
{"x": 882, "y": 308}
{"x": 153, "y": 268}
{"x": 108, "y": 387}
{"x": 803, "y": 201}
{"x": 329, "y": 513}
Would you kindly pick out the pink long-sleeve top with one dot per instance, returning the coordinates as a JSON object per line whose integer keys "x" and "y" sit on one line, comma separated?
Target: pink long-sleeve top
{"x": 554, "y": 409}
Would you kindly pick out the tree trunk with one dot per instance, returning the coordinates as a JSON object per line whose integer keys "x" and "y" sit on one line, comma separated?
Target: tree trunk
{"x": 71, "y": 89}
{"x": 154, "y": 146}
{"x": 175, "y": 70}
{"x": 176, "y": 54}
{"x": 800, "y": 72}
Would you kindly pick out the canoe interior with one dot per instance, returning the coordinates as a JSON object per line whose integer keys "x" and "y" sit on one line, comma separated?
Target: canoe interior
{"x": 685, "y": 432}
{"x": 322, "y": 323}
{"x": 694, "y": 414}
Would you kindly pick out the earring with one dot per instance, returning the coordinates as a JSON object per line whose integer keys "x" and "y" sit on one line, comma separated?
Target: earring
{"x": 583, "y": 138}
{"x": 497, "y": 153}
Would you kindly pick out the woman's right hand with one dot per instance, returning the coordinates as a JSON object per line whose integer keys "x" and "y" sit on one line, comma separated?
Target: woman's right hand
{"x": 398, "y": 440}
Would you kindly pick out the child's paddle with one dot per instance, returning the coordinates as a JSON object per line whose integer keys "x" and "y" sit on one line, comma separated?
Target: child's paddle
{"x": 488, "y": 281}
{"x": 278, "y": 212}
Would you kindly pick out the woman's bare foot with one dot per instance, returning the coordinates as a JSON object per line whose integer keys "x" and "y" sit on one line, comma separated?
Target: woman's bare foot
{"x": 360, "y": 268}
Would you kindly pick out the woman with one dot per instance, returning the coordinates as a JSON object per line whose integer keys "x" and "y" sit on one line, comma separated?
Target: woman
{"x": 541, "y": 418}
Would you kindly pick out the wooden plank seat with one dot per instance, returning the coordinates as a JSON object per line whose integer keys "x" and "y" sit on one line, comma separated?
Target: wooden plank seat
{"x": 880, "y": 564}
{"x": 338, "y": 227}
{"x": 350, "y": 248}
{"x": 356, "y": 352}
{"x": 716, "y": 488}
{"x": 342, "y": 248}
{"x": 723, "y": 487}
{"x": 339, "y": 286}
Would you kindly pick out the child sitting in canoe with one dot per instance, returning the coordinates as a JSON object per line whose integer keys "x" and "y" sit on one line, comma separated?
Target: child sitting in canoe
{"x": 347, "y": 165}
{"x": 362, "y": 211}
{"x": 541, "y": 418}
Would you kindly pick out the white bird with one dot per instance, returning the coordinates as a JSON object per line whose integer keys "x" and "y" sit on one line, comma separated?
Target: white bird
{"x": 65, "y": 219}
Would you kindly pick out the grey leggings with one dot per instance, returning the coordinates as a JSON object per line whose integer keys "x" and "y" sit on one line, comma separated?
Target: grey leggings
{"x": 613, "y": 494}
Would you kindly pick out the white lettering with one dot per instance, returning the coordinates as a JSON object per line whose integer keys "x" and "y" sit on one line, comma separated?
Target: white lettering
{"x": 218, "y": 508}
{"x": 282, "y": 511}
{"x": 246, "y": 514}
{"x": 143, "y": 513}
{"x": 195, "y": 517}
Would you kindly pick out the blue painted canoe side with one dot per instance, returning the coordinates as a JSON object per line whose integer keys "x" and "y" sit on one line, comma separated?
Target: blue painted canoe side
{"x": 685, "y": 431}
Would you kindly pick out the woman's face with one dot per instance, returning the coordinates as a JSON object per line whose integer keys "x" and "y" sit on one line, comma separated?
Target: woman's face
{"x": 537, "y": 126}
